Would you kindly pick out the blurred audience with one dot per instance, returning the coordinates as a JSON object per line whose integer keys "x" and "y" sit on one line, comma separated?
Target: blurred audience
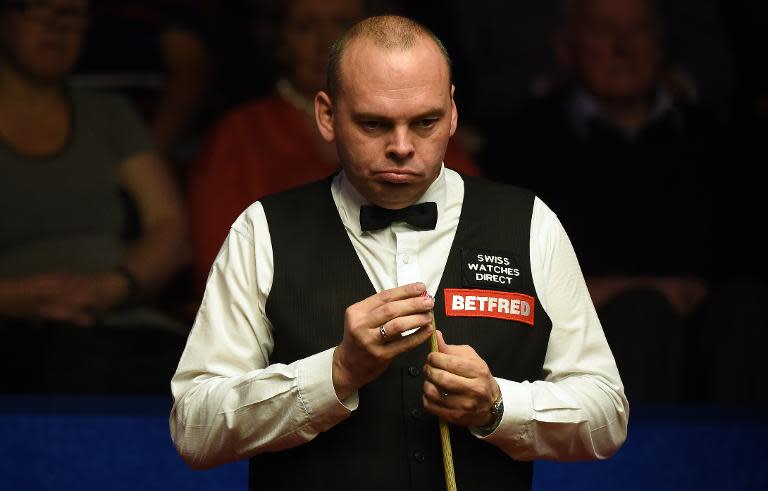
{"x": 664, "y": 208}
{"x": 71, "y": 282}
{"x": 271, "y": 144}
{"x": 632, "y": 168}
{"x": 156, "y": 54}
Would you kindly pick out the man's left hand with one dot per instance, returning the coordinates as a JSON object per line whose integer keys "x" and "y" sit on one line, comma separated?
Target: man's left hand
{"x": 459, "y": 387}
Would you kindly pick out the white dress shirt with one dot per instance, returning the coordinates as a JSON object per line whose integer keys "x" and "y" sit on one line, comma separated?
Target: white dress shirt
{"x": 230, "y": 403}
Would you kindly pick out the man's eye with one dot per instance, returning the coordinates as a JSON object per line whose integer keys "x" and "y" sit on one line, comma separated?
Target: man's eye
{"x": 426, "y": 123}
{"x": 371, "y": 125}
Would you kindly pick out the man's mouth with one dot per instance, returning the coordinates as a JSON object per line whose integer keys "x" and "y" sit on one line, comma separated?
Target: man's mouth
{"x": 396, "y": 176}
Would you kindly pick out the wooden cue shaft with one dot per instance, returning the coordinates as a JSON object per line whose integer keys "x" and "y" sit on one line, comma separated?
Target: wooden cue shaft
{"x": 445, "y": 435}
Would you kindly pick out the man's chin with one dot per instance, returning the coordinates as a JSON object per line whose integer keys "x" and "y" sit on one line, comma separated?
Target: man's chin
{"x": 396, "y": 195}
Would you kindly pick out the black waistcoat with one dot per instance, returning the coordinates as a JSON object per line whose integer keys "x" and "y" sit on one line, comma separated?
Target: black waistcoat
{"x": 389, "y": 442}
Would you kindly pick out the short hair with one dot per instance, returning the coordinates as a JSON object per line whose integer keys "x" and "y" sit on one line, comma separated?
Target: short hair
{"x": 390, "y": 32}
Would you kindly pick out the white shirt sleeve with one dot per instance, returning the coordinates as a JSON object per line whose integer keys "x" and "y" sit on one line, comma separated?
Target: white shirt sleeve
{"x": 579, "y": 411}
{"x": 229, "y": 402}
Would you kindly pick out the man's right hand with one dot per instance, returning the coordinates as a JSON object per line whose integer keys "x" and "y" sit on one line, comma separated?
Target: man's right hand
{"x": 365, "y": 353}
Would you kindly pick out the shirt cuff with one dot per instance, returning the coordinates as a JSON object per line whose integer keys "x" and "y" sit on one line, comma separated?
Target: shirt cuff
{"x": 518, "y": 414}
{"x": 317, "y": 394}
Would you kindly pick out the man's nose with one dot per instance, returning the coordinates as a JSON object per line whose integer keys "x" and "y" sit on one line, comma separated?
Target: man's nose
{"x": 400, "y": 145}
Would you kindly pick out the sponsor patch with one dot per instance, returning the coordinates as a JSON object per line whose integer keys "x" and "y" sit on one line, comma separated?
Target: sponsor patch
{"x": 460, "y": 302}
{"x": 483, "y": 268}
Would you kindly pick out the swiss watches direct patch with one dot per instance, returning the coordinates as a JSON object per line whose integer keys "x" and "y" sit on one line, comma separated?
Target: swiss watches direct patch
{"x": 482, "y": 268}
{"x": 463, "y": 302}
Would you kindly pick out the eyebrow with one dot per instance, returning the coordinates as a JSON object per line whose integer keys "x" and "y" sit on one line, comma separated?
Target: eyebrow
{"x": 431, "y": 113}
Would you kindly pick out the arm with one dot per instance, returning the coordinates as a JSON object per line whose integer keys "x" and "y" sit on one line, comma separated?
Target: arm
{"x": 579, "y": 411}
{"x": 229, "y": 402}
{"x": 162, "y": 248}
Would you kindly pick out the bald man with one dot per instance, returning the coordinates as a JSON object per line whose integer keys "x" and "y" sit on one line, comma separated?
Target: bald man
{"x": 308, "y": 354}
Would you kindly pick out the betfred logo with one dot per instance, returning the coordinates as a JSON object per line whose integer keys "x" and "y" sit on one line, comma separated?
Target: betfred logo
{"x": 488, "y": 303}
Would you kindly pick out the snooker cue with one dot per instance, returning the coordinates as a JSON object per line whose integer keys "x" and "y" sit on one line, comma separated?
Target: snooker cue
{"x": 445, "y": 435}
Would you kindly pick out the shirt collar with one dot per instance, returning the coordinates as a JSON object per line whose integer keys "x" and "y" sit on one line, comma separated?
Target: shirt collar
{"x": 583, "y": 108}
{"x": 349, "y": 200}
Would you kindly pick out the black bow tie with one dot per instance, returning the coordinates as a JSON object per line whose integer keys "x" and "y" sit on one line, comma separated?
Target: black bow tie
{"x": 422, "y": 215}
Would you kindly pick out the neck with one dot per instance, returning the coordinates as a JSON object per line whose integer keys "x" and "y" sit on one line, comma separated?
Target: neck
{"x": 27, "y": 93}
{"x": 34, "y": 116}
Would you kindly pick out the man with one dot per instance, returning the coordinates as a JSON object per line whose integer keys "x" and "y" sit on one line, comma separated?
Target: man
{"x": 297, "y": 361}
{"x": 629, "y": 163}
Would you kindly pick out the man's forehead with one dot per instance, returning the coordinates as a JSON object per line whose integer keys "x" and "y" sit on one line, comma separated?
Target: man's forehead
{"x": 365, "y": 66}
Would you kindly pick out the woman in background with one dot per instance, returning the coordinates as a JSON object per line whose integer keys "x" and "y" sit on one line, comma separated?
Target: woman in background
{"x": 68, "y": 158}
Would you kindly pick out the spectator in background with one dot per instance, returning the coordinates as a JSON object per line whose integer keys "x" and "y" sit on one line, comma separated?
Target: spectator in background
{"x": 70, "y": 283}
{"x": 271, "y": 144}
{"x": 155, "y": 53}
{"x": 625, "y": 157}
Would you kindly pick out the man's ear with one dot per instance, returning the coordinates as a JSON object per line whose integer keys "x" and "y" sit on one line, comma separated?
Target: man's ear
{"x": 324, "y": 116}
{"x": 454, "y": 112}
